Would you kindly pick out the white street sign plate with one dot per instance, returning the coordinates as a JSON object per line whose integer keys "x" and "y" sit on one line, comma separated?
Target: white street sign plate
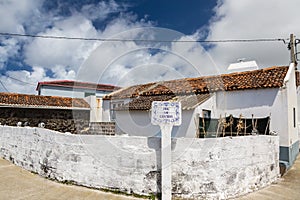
{"x": 165, "y": 112}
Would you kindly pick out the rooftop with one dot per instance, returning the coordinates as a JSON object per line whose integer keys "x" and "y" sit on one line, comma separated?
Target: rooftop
{"x": 78, "y": 85}
{"x": 35, "y": 101}
{"x": 188, "y": 102}
{"x": 272, "y": 77}
{"x": 194, "y": 91}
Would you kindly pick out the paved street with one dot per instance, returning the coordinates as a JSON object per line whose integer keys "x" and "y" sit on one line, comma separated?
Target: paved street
{"x": 17, "y": 183}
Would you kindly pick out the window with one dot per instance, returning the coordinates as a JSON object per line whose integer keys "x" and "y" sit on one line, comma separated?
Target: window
{"x": 294, "y": 117}
{"x": 113, "y": 107}
{"x": 206, "y": 114}
{"x": 86, "y": 94}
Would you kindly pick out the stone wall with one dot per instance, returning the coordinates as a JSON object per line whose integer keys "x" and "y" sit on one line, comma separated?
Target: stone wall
{"x": 102, "y": 128}
{"x": 201, "y": 168}
{"x": 61, "y": 120}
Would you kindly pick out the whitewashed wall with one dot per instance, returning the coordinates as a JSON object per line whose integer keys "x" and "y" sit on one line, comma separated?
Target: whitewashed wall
{"x": 291, "y": 91}
{"x": 202, "y": 168}
{"x": 46, "y": 90}
{"x": 138, "y": 123}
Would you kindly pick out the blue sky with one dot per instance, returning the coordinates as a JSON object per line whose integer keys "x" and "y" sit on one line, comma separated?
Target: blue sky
{"x": 181, "y": 15}
{"x": 24, "y": 61}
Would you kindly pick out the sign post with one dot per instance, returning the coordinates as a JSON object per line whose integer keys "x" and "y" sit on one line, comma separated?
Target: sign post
{"x": 166, "y": 114}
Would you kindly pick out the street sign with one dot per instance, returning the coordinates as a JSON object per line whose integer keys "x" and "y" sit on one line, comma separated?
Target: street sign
{"x": 165, "y": 112}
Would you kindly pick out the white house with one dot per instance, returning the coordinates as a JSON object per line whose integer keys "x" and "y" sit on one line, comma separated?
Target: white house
{"x": 269, "y": 93}
{"x": 75, "y": 89}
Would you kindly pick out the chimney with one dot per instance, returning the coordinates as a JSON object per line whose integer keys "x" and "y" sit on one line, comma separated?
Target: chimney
{"x": 242, "y": 66}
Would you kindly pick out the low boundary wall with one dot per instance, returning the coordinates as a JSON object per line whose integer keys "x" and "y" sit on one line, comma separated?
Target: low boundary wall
{"x": 201, "y": 168}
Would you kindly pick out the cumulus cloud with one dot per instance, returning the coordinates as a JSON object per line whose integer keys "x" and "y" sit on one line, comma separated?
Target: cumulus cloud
{"x": 128, "y": 63}
{"x": 49, "y": 52}
{"x": 253, "y": 19}
{"x": 9, "y": 47}
{"x": 61, "y": 58}
{"x": 14, "y": 13}
{"x": 22, "y": 81}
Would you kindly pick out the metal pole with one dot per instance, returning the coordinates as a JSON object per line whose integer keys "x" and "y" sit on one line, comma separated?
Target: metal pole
{"x": 166, "y": 162}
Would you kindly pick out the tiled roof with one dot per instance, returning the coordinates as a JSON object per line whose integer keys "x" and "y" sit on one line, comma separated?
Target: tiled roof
{"x": 272, "y": 77}
{"x": 77, "y": 84}
{"x": 144, "y": 102}
{"x": 25, "y": 100}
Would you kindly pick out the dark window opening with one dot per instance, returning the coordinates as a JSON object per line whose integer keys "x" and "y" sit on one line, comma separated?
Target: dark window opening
{"x": 233, "y": 126}
{"x": 86, "y": 94}
{"x": 294, "y": 117}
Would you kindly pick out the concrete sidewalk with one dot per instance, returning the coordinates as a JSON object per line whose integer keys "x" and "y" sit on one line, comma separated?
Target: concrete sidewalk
{"x": 17, "y": 183}
{"x": 288, "y": 188}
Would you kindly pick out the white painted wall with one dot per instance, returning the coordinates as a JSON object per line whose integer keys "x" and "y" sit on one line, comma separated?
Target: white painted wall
{"x": 138, "y": 123}
{"x": 291, "y": 91}
{"x": 69, "y": 92}
{"x": 201, "y": 168}
{"x": 45, "y": 91}
{"x": 135, "y": 123}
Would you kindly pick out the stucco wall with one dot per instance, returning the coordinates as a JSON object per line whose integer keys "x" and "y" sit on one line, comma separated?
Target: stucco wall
{"x": 47, "y": 90}
{"x": 138, "y": 123}
{"x": 202, "y": 168}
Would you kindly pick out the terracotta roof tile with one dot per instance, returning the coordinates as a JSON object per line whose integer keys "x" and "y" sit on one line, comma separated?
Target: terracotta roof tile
{"x": 263, "y": 78}
{"x": 25, "y": 100}
{"x": 144, "y": 102}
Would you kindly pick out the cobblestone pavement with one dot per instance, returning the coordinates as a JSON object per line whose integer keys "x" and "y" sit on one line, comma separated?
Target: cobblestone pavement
{"x": 288, "y": 188}
{"x": 17, "y": 183}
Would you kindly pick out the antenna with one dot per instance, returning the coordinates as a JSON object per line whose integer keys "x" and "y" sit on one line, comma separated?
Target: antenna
{"x": 241, "y": 59}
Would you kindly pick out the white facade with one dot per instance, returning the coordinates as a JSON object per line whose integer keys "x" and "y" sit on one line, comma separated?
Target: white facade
{"x": 100, "y": 109}
{"x": 280, "y": 104}
{"x": 47, "y": 90}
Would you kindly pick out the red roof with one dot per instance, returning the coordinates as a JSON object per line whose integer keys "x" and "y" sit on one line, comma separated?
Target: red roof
{"x": 272, "y": 77}
{"x": 36, "y": 101}
{"x": 78, "y": 84}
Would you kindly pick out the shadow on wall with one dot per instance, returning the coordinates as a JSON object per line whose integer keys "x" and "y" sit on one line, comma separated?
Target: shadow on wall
{"x": 155, "y": 143}
{"x": 239, "y": 100}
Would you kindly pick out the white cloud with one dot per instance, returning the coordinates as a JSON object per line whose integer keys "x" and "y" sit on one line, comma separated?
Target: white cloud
{"x": 253, "y": 19}
{"x": 51, "y": 52}
{"x": 128, "y": 63}
{"x": 63, "y": 57}
{"x": 8, "y": 48}
{"x": 14, "y": 13}
{"x": 22, "y": 81}
{"x": 125, "y": 63}
{"x": 101, "y": 10}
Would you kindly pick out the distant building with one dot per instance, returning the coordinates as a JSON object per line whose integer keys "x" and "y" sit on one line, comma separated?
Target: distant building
{"x": 75, "y": 89}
